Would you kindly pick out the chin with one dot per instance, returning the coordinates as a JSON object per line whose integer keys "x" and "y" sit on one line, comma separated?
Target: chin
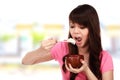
{"x": 79, "y": 45}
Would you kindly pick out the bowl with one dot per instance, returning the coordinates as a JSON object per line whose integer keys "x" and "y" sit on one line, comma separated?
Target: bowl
{"x": 74, "y": 60}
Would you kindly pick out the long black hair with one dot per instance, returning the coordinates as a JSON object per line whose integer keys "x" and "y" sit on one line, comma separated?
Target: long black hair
{"x": 87, "y": 16}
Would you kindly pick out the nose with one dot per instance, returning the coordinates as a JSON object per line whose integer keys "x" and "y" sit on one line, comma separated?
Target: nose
{"x": 76, "y": 30}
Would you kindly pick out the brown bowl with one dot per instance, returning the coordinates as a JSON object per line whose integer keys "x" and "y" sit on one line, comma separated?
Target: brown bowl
{"x": 74, "y": 60}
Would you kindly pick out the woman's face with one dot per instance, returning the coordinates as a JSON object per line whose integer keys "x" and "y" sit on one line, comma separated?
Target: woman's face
{"x": 79, "y": 33}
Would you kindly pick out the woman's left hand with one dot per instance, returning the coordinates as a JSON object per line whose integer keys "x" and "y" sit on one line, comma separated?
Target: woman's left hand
{"x": 83, "y": 68}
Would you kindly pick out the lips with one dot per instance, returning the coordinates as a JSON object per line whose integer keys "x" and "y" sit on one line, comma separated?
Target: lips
{"x": 78, "y": 39}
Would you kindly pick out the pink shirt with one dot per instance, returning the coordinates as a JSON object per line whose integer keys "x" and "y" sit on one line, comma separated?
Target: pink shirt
{"x": 61, "y": 49}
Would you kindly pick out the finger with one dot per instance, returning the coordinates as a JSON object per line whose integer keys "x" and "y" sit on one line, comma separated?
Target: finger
{"x": 66, "y": 66}
{"x": 48, "y": 47}
{"x": 71, "y": 66}
{"x": 53, "y": 39}
{"x": 74, "y": 70}
{"x": 82, "y": 61}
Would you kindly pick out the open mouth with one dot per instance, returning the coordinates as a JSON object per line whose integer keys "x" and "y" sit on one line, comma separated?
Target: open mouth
{"x": 78, "y": 39}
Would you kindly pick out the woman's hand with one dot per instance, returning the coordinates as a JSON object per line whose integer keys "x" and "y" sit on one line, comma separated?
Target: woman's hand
{"x": 83, "y": 68}
{"x": 48, "y": 44}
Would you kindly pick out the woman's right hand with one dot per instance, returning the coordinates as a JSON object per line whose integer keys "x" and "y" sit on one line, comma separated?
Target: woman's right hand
{"x": 48, "y": 44}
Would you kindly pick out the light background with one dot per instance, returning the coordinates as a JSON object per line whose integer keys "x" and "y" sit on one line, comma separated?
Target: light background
{"x": 39, "y": 12}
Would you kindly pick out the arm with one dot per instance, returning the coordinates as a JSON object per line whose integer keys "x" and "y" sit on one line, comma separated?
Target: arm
{"x": 107, "y": 66}
{"x": 90, "y": 74}
{"x": 108, "y": 75}
{"x": 41, "y": 54}
{"x": 105, "y": 76}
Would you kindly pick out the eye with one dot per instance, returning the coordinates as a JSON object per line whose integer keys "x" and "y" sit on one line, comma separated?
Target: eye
{"x": 71, "y": 26}
{"x": 82, "y": 27}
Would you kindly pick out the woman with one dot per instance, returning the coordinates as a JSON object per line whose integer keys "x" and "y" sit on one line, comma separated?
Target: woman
{"x": 85, "y": 30}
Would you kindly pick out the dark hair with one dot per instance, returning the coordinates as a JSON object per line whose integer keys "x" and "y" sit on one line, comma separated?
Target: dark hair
{"x": 87, "y": 16}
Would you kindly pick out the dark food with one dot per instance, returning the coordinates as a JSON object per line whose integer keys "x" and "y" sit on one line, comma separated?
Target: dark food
{"x": 74, "y": 60}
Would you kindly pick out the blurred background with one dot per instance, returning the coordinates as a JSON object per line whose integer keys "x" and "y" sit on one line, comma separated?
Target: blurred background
{"x": 25, "y": 23}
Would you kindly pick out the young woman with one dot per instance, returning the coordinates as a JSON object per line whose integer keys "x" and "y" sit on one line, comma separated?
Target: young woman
{"x": 85, "y": 30}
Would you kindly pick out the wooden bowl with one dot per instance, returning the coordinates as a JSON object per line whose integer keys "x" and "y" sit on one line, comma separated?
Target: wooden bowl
{"x": 74, "y": 60}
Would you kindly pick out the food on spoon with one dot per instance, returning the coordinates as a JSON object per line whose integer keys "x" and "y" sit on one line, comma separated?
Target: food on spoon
{"x": 71, "y": 41}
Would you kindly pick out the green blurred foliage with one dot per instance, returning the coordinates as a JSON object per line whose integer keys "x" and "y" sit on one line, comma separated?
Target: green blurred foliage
{"x": 37, "y": 37}
{"x": 6, "y": 37}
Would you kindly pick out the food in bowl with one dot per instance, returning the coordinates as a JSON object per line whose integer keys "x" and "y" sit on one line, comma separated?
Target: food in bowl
{"x": 74, "y": 60}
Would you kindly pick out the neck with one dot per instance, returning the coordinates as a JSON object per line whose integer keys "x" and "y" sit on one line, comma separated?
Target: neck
{"x": 83, "y": 51}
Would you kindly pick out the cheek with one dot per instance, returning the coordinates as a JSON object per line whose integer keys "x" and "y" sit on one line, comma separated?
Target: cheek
{"x": 71, "y": 32}
{"x": 86, "y": 33}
